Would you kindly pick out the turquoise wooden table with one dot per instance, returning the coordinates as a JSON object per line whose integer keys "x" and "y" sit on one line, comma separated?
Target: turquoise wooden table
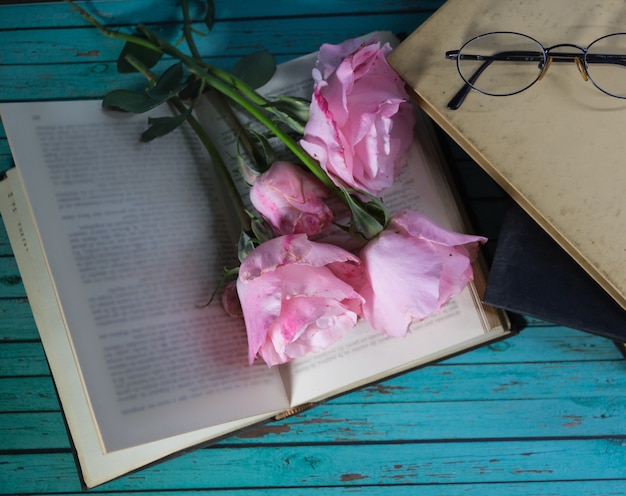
{"x": 541, "y": 413}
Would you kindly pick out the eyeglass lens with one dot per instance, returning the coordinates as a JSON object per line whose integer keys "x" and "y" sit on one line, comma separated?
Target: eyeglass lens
{"x": 509, "y": 62}
{"x": 606, "y": 64}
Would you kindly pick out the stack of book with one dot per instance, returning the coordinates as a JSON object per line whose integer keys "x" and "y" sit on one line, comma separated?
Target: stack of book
{"x": 556, "y": 148}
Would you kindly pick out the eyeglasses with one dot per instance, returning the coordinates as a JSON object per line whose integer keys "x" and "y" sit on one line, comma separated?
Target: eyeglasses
{"x": 504, "y": 63}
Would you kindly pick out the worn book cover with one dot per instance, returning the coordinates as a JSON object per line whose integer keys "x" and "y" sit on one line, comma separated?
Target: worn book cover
{"x": 531, "y": 275}
{"x": 557, "y": 147}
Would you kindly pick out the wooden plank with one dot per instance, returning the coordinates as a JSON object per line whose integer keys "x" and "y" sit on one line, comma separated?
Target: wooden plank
{"x": 33, "y": 432}
{"x": 11, "y": 285}
{"x": 339, "y": 465}
{"x": 499, "y": 382}
{"x": 27, "y": 394}
{"x": 91, "y": 81}
{"x": 227, "y": 39}
{"x": 6, "y": 160}
{"x": 541, "y": 342}
{"x": 560, "y": 488}
{"x": 22, "y": 359}
{"x": 430, "y": 421}
{"x": 46, "y": 15}
{"x": 371, "y": 423}
{"x": 5, "y": 245}
{"x": 16, "y": 320}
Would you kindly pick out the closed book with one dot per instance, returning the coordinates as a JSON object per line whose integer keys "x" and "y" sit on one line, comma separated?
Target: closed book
{"x": 532, "y": 275}
{"x": 556, "y": 148}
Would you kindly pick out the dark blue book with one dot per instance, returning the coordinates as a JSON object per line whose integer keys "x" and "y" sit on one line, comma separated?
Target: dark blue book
{"x": 532, "y": 275}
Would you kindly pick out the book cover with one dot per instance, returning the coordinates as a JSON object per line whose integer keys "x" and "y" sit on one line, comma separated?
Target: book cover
{"x": 557, "y": 147}
{"x": 532, "y": 275}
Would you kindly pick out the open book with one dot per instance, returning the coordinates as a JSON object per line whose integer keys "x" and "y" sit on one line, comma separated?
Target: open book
{"x": 120, "y": 243}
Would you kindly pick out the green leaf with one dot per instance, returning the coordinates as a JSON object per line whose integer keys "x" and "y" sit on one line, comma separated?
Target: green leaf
{"x": 261, "y": 230}
{"x": 169, "y": 83}
{"x": 191, "y": 89}
{"x": 130, "y": 101}
{"x": 209, "y": 17}
{"x": 255, "y": 69}
{"x": 245, "y": 246}
{"x": 160, "y": 126}
{"x": 147, "y": 57}
{"x": 263, "y": 154}
{"x": 368, "y": 218}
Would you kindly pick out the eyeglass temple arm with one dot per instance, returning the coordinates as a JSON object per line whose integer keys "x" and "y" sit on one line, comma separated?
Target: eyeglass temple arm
{"x": 457, "y": 100}
{"x": 600, "y": 58}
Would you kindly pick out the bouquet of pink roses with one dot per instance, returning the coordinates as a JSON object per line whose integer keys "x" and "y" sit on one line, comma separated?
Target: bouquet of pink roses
{"x": 298, "y": 291}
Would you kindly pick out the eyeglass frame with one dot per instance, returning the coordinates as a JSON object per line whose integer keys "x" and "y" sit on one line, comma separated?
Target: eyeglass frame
{"x": 544, "y": 63}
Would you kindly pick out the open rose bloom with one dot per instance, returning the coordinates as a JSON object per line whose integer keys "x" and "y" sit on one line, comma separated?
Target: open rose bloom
{"x": 361, "y": 123}
{"x": 297, "y": 297}
{"x": 413, "y": 268}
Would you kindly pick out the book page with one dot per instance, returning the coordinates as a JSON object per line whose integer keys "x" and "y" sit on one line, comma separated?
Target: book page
{"x": 96, "y": 466}
{"x": 135, "y": 243}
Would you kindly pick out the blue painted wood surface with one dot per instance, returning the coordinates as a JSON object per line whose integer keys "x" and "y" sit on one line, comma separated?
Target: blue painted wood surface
{"x": 541, "y": 413}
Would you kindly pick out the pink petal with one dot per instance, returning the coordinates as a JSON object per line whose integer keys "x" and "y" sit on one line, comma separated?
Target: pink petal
{"x": 421, "y": 226}
{"x": 403, "y": 282}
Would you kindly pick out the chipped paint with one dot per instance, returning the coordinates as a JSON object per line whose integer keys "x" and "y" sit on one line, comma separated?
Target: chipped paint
{"x": 264, "y": 431}
{"x": 352, "y": 477}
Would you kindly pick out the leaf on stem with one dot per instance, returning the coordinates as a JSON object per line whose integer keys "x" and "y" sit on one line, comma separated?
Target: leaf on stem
{"x": 146, "y": 56}
{"x": 263, "y": 154}
{"x": 167, "y": 86}
{"x": 192, "y": 89}
{"x": 261, "y": 230}
{"x": 245, "y": 246}
{"x": 369, "y": 218}
{"x": 255, "y": 69}
{"x": 170, "y": 82}
{"x": 130, "y": 101}
{"x": 160, "y": 126}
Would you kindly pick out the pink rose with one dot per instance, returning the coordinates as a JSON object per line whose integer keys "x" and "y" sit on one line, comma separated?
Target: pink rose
{"x": 291, "y": 200}
{"x": 413, "y": 268}
{"x": 297, "y": 297}
{"x": 361, "y": 124}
